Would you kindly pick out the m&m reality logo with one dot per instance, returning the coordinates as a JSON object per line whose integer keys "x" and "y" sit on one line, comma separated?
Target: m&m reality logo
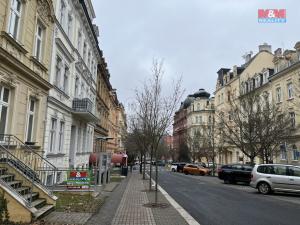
{"x": 272, "y": 15}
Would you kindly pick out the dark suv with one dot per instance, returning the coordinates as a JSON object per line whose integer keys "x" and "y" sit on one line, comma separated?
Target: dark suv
{"x": 235, "y": 173}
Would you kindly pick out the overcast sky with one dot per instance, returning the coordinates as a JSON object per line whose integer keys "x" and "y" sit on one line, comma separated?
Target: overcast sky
{"x": 194, "y": 37}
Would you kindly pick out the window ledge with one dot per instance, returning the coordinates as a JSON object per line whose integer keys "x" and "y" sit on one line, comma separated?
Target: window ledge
{"x": 61, "y": 92}
{"x": 55, "y": 155}
{"x": 14, "y": 42}
{"x": 40, "y": 64}
{"x": 295, "y": 160}
{"x": 83, "y": 153}
{"x": 290, "y": 99}
{"x": 278, "y": 102}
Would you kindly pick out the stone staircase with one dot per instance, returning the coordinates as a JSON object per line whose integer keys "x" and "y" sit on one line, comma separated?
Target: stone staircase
{"x": 39, "y": 204}
{"x": 24, "y": 174}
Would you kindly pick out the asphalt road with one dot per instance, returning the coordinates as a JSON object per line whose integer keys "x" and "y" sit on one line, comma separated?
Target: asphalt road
{"x": 211, "y": 202}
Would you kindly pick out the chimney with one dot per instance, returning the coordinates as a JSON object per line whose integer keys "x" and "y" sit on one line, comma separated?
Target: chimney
{"x": 234, "y": 70}
{"x": 278, "y": 52}
{"x": 247, "y": 56}
{"x": 265, "y": 47}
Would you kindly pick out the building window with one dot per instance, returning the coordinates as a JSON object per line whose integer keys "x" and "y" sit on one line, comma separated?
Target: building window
{"x": 228, "y": 96}
{"x": 62, "y": 13}
{"x": 4, "y": 103}
{"x": 89, "y": 60}
{"x": 290, "y": 90}
{"x": 52, "y": 134}
{"x": 30, "y": 119}
{"x": 66, "y": 79}
{"x": 70, "y": 23}
{"x": 293, "y": 119}
{"x": 84, "y": 140}
{"x": 38, "y": 42}
{"x": 58, "y": 71}
{"x": 79, "y": 140}
{"x": 283, "y": 153}
{"x": 76, "y": 87}
{"x": 79, "y": 41}
{"x": 82, "y": 90}
{"x": 266, "y": 76}
{"x": 222, "y": 98}
{"x": 15, "y": 17}
{"x": 198, "y": 106}
{"x": 295, "y": 153}
{"x": 61, "y": 136}
{"x": 278, "y": 94}
{"x": 84, "y": 51}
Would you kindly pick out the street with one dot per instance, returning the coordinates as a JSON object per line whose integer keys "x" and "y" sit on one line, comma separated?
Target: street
{"x": 211, "y": 202}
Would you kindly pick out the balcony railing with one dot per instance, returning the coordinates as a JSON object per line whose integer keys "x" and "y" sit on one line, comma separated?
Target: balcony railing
{"x": 84, "y": 109}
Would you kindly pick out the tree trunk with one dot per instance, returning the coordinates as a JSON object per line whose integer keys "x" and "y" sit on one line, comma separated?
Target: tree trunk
{"x": 144, "y": 164}
{"x": 252, "y": 160}
{"x": 141, "y": 163}
{"x": 150, "y": 172}
{"x": 156, "y": 177}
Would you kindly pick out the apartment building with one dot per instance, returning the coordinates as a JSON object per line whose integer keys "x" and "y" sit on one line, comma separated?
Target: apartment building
{"x": 71, "y": 114}
{"x": 231, "y": 83}
{"x": 25, "y": 64}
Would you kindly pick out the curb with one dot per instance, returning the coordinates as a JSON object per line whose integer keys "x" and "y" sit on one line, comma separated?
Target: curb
{"x": 186, "y": 216}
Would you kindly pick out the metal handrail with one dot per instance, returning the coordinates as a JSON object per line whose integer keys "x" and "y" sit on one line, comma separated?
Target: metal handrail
{"x": 30, "y": 149}
{"x": 31, "y": 164}
{"x": 25, "y": 168}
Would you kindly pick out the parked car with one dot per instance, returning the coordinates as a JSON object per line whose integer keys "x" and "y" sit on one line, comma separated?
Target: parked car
{"x": 233, "y": 173}
{"x": 195, "y": 170}
{"x": 275, "y": 177}
{"x": 180, "y": 167}
{"x": 174, "y": 167}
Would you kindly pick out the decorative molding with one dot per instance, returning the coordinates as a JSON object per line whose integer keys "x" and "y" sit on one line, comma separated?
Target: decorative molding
{"x": 19, "y": 46}
{"x": 63, "y": 49}
{"x": 39, "y": 64}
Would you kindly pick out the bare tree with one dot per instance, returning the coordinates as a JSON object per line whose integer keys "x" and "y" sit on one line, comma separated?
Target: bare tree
{"x": 255, "y": 126}
{"x": 155, "y": 109}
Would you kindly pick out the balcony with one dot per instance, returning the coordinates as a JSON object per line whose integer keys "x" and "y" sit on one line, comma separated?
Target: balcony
{"x": 83, "y": 108}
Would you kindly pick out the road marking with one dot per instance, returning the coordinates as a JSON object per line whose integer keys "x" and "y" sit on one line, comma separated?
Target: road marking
{"x": 187, "y": 217}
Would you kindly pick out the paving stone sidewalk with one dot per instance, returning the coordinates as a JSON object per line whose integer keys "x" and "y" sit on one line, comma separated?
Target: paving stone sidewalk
{"x": 132, "y": 211}
{"x": 164, "y": 216}
{"x": 67, "y": 218}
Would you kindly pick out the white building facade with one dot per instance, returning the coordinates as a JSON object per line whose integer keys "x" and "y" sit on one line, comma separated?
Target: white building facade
{"x": 71, "y": 103}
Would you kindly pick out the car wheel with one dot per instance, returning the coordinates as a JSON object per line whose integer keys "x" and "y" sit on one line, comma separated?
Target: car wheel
{"x": 185, "y": 172}
{"x": 264, "y": 188}
{"x": 201, "y": 173}
{"x": 173, "y": 170}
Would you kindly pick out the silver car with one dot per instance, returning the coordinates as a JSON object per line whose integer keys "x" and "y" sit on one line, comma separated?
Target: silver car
{"x": 275, "y": 177}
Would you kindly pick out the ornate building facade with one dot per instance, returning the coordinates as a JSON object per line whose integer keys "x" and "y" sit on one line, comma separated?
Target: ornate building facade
{"x": 25, "y": 64}
{"x": 71, "y": 113}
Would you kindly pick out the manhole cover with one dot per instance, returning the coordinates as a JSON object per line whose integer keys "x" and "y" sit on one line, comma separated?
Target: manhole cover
{"x": 156, "y": 205}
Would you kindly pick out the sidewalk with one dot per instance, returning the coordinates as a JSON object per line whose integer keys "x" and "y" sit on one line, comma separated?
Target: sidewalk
{"x": 132, "y": 211}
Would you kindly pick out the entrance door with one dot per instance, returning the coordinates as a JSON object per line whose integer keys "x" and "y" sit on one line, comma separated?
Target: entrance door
{"x": 72, "y": 147}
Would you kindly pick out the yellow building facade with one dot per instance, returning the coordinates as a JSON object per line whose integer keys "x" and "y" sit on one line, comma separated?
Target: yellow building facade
{"x": 25, "y": 54}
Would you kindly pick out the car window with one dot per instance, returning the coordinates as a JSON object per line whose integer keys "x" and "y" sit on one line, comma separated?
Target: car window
{"x": 248, "y": 168}
{"x": 294, "y": 171}
{"x": 237, "y": 167}
{"x": 280, "y": 170}
{"x": 266, "y": 169}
